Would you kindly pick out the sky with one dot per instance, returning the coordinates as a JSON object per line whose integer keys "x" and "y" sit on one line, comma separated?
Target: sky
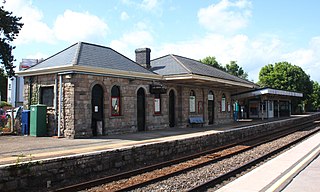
{"x": 252, "y": 33}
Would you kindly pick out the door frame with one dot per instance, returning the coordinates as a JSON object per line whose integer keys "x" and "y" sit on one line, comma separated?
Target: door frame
{"x": 171, "y": 112}
{"x": 211, "y": 121}
{"x": 141, "y": 110}
{"x": 97, "y": 116}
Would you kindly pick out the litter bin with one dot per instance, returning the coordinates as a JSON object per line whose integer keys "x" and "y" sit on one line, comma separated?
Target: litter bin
{"x": 25, "y": 119}
{"x": 38, "y": 120}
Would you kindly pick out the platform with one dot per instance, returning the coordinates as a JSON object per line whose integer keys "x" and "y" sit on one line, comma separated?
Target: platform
{"x": 290, "y": 171}
{"x": 38, "y": 163}
{"x": 25, "y": 148}
{"x": 18, "y": 148}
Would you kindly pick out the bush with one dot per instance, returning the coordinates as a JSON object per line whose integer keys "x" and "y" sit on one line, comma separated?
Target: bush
{"x": 5, "y": 104}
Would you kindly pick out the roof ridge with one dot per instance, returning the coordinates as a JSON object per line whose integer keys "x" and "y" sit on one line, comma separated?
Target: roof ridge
{"x": 179, "y": 62}
{"x": 55, "y": 54}
{"x": 77, "y": 55}
{"x": 220, "y": 70}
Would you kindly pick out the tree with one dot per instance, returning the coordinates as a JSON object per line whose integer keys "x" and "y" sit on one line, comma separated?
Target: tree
{"x": 9, "y": 30}
{"x": 286, "y": 76}
{"x": 315, "y": 96}
{"x": 212, "y": 62}
{"x": 234, "y": 69}
{"x": 231, "y": 68}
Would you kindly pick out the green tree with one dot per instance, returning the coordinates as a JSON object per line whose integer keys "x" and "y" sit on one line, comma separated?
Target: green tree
{"x": 234, "y": 69}
{"x": 315, "y": 96}
{"x": 9, "y": 30}
{"x": 285, "y": 76}
{"x": 213, "y": 62}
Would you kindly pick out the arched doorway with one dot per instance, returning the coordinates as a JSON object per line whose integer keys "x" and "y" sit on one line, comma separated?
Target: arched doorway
{"x": 171, "y": 109}
{"x": 97, "y": 110}
{"x": 141, "y": 110}
{"x": 211, "y": 107}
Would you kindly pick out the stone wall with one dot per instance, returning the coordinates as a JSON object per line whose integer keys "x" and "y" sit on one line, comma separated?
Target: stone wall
{"x": 31, "y": 95}
{"x": 76, "y": 109}
{"x": 58, "y": 172}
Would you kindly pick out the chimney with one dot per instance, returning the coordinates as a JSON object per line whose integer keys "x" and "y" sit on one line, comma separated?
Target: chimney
{"x": 143, "y": 57}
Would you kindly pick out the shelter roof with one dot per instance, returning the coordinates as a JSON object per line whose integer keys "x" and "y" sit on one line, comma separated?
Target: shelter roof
{"x": 266, "y": 91}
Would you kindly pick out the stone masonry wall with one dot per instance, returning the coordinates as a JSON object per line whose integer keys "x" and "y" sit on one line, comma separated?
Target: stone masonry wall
{"x": 33, "y": 98}
{"x": 124, "y": 123}
{"x": 52, "y": 173}
{"x": 77, "y": 110}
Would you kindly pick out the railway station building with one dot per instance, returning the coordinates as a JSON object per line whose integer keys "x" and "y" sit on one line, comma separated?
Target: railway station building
{"x": 92, "y": 90}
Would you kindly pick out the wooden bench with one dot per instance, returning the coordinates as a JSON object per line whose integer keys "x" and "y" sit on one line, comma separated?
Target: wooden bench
{"x": 196, "y": 120}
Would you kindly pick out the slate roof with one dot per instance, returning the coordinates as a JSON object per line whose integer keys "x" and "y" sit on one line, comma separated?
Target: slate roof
{"x": 178, "y": 65}
{"x": 91, "y": 55}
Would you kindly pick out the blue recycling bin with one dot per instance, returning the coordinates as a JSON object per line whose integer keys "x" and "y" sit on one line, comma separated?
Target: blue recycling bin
{"x": 25, "y": 118}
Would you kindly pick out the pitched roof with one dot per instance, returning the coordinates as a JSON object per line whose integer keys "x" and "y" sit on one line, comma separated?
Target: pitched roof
{"x": 178, "y": 65}
{"x": 91, "y": 55}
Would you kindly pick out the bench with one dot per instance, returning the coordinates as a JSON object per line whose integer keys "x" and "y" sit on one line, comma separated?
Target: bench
{"x": 196, "y": 120}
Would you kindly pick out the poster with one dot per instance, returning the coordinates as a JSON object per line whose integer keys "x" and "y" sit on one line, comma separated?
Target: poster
{"x": 192, "y": 104}
{"x": 115, "y": 106}
{"x": 157, "y": 108}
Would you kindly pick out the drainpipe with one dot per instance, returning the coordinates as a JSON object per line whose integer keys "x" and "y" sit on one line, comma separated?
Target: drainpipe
{"x": 203, "y": 104}
{"x": 278, "y": 108}
{"x": 55, "y": 101}
{"x": 30, "y": 91}
{"x": 60, "y": 105}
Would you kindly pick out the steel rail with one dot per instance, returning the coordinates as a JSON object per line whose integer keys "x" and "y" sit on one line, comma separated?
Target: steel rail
{"x": 100, "y": 181}
{"x": 234, "y": 172}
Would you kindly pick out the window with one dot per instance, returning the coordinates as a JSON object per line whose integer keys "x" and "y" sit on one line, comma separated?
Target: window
{"x": 157, "y": 104}
{"x": 192, "y": 101}
{"x": 270, "y": 105}
{"x": 46, "y": 96}
{"x": 115, "y": 101}
{"x": 223, "y": 103}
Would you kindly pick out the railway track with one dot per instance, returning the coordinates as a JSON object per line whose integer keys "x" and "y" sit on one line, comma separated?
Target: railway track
{"x": 151, "y": 174}
{"x": 213, "y": 182}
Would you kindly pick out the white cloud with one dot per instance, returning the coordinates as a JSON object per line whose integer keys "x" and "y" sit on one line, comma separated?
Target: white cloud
{"x": 250, "y": 54}
{"x": 149, "y": 4}
{"x": 74, "y": 26}
{"x": 153, "y": 6}
{"x": 124, "y": 16}
{"x": 307, "y": 58}
{"x": 34, "y": 29}
{"x": 130, "y": 41}
{"x": 70, "y": 27}
{"x": 37, "y": 55}
{"x": 225, "y": 16}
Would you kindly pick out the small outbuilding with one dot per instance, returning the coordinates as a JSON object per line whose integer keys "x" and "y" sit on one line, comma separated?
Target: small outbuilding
{"x": 265, "y": 103}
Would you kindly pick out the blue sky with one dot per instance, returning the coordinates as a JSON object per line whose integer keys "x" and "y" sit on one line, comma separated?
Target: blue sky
{"x": 253, "y": 33}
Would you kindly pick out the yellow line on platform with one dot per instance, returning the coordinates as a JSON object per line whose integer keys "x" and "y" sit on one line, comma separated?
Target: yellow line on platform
{"x": 294, "y": 170}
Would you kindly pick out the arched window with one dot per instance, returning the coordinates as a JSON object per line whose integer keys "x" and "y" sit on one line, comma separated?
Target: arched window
{"x": 192, "y": 102}
{"x": 115, "y": 101}
{"x": 223, "y": 102}
{"x": 157, "y": 103}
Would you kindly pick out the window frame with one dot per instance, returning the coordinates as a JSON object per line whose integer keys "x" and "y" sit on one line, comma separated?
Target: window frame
{"x": 115, "y": 97}
{"x": 223, "y": 103}
{"x": 44, "y": 99}
{"x": 192, "y": 102}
